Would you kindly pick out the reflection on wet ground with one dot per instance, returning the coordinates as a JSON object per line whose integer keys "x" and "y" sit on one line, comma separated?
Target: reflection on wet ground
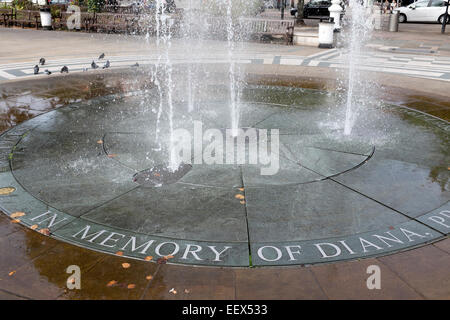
{"x": 34, "y": 266}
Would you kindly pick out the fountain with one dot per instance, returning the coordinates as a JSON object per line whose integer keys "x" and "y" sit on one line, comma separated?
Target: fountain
{"x": 358, "y": 32}
{"x": 104, "y": 173}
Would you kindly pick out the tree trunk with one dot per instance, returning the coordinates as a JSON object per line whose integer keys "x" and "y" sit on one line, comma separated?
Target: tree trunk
{"x": 299, "y": 19}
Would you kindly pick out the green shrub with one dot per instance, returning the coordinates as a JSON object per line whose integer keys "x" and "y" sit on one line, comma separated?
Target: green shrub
{"x": 22, "y": 4}
{"x": 55, "y": 11}
{"x": 239, "y": 8}
{"x": 80, "y": 3}
{"x": 95, "y": 5}
{"x": 5, "y": 5}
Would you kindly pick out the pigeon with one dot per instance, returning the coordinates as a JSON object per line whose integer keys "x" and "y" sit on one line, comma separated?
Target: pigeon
{"x": 107, "y": 64}
{"x": 47, "y": 72}
{"x": 64, "y": 69}
{"x": 94, "y": 65}
{"x": 36, "y": 69}
{"x": 101, "y": 56}
{"x": 135, "y": 65}
{"x": 41, "y": 61}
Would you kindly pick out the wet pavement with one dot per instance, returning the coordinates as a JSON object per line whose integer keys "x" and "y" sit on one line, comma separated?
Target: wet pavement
{"x": 33, "y": 265}
{"x": 38, "y": 266}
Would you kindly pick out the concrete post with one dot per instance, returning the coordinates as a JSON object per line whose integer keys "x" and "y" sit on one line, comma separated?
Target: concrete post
{"x": 335, "y": 13}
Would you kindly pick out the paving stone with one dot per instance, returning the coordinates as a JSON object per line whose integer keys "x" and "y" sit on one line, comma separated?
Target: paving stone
{"x": 424, "y": 269}
{"x": 277, "y": 284}
{"x": 348, "y": 280}
{"x": 192, "y": 283}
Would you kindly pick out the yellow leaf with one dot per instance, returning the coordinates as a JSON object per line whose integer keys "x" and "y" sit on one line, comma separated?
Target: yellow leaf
{"x": 17, "y": 214}
{"x": 15, "y": 221}
{"x": 148, "y": 258}
{"x": 242, "y": 202}
{"x": 239, "y": 196}
{"x": 149, "y": 277}
{"x": 6, "y": 191}
{"x": 119, "y": 253}
{"x": 34, "y": 227}
{"x": 126, "y": 265}
{"x": 131, "y": 286}
{"x": 100, "y": 141}
{"x": 111, "y": 283}
{"x": 45, "y": 231}
{"x": 11, "y": 273}
{"x": 241, "y": 189}
{"x": 168, "y": 257}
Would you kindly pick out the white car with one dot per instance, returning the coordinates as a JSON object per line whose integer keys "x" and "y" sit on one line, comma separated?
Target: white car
{"x": 423, "y": 11}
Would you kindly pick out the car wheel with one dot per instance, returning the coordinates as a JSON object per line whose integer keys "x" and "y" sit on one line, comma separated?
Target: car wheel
{"x": 402, "y": 18}
{"x": 441, "y": 19}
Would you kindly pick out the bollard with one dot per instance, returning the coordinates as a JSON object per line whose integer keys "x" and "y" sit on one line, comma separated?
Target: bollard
{"x": 393, "y": 22}
{"x": 326, "y": 34}
{"x": 46, "y": 18}
{"x": 335, "y": 12}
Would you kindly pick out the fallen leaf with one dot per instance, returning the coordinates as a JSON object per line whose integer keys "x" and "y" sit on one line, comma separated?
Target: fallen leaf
{"x": 112, "y": 155}
{"x": 149, "y": 277}
{"x": 11, "y": 273}
{"x": 45, "y": 231}
{"x": 242, "y": 202}
{"x": 131, "y": 286}
{"x": 168, "y": 257}
{"x": 148, "y": 258}
{"x": 239, "y": 196}
{"x": 111, "y": 283}
{"x": 34, "y": 227}
{"x": 156, "y": 174}
{"x": 161, "y": 261}
{"x": 241, "y": 189}
{"x": 7, "y": 190}
{"x": 17, "y": 214}
{"x": 126, "y": 265}
{"x": 100, "y": 141}
{"x": 187, "y": 291}
{"x": 119, "y": 253}
{"x": 15, "y": 221}
{"x": 173, "y": 291}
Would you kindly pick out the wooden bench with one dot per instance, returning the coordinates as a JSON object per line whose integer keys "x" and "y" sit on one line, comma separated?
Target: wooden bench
{"x": 6, "y": 16}
{"x": 268, "y": 27}
{"x": 141, "y": 24}
{"x": 87, "y": 18}
{"x": 27, "y": 18}
{"x": 60, "y": 22}
{"x": 110, "y": 22}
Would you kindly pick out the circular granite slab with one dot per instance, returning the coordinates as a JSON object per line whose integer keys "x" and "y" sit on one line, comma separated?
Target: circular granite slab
{"x": 96, "y": 174}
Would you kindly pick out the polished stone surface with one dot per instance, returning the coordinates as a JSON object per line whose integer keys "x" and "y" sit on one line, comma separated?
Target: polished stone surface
{"x": 333, "y": 198}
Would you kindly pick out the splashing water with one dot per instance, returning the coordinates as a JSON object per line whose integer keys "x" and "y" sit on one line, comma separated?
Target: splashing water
{"x": 163, "y": 41}
{"x": 234, "y": 106}
{"x": 190, "y": 71}
{"x": 359, "y": 31}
